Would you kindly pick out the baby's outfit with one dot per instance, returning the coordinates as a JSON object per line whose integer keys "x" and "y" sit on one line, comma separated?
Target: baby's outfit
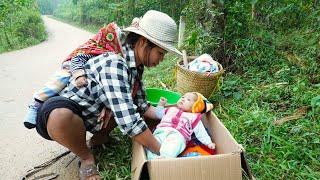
{"x": 175, "y": 130}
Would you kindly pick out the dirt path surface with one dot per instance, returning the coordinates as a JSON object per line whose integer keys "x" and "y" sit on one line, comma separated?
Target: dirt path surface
{"x": 21, "y": 73}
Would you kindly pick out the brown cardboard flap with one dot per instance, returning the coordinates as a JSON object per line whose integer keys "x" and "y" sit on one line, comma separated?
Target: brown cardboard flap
{"x": 245, "y": 166}
{"x": 222, "y": 166}
{"x": 138, "y": 160}
{"x": 225, "y": 143}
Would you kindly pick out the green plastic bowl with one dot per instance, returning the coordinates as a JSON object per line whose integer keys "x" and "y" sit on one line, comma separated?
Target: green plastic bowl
{"x": 154, "y": 94}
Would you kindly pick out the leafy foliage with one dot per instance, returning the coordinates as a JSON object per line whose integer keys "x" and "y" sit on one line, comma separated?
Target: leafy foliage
{"x": 20, "y": 24}
{"x": 47, "y": 6}
{"x": 100, "y": 12}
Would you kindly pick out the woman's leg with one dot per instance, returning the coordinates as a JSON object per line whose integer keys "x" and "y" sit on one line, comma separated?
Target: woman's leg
{"x": 102, "y": 136}
{"x": 67, "y": 128}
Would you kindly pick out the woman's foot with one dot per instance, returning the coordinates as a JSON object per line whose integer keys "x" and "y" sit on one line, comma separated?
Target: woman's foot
{"x": 88, "y": 170}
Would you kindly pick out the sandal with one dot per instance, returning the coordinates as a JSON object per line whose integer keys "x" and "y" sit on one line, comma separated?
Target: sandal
{"x": 87, "y": 171}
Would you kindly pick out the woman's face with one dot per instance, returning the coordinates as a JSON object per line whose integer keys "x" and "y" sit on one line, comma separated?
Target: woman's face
{"x": 148, "y": 56}
{"x": 155, "y": 56}
{"x": 186, "y": 102}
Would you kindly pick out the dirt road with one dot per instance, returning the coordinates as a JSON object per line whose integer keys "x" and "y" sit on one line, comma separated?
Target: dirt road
{"x": 21, "y": 73}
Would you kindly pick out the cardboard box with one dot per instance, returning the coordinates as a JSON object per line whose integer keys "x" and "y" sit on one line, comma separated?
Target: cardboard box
{"x": 228, "y": 163}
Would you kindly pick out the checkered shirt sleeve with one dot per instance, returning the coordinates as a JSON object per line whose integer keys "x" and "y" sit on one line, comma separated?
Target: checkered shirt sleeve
{"x": 140, "y": 100}
{"x": 112, "y": 72}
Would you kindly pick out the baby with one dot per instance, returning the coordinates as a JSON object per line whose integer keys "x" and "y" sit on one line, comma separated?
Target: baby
{"x": 108, "y": 39}
{"x": 179, "y": 122}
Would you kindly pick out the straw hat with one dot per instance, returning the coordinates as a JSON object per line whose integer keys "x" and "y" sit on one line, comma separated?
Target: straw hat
{"x": 157, "y": 27}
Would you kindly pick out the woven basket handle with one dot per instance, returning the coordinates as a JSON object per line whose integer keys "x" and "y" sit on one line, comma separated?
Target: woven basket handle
{"x": 184, "y": 58}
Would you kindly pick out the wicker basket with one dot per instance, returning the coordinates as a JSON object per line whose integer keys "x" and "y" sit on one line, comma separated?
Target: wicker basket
{"x": 190, "y": 81}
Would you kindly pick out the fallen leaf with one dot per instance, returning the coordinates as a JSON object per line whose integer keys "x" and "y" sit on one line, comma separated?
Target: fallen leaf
{"x": 288, "y": 118}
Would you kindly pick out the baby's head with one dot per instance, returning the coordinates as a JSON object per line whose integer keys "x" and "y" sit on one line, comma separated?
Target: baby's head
{"x": 194, "y": 102}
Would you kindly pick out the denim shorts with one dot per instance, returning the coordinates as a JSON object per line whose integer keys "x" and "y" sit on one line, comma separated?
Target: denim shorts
{"x": 48, "y": 106}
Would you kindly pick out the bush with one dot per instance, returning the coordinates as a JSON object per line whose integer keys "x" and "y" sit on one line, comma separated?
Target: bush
{"x": 21, "y": 25}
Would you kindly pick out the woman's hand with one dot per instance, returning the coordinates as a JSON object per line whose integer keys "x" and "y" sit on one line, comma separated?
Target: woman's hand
{"x": 104, "y": 117}
{"x": 147, "y": 139}
{"x": 81, "y": 81}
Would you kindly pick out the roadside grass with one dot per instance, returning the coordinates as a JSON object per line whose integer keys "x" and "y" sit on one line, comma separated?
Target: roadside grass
{"x": 287, "y": 151}
{"x": 21, "y": 29}
{"x": 284, "y": 85}
{"x": 280, "y": 78}
{"x": 114, "y": 161}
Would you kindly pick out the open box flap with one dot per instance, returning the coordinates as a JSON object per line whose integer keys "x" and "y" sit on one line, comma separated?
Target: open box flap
{"x": 245, "y": 166}
{"x": 221, "y": 134}
{"x": 139, "y": 160}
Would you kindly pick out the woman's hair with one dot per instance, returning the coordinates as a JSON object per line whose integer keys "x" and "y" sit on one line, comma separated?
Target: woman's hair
{"x": 132, "y": 38}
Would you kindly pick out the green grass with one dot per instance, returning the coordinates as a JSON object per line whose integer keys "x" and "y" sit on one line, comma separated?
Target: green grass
{"x": 114, "y": 161}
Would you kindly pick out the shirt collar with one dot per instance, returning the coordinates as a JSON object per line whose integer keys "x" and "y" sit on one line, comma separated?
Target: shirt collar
{"x": 129, "y": 56}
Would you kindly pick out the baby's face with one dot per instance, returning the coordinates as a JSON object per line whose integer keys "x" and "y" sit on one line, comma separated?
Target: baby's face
{"x": 186, "y": 102}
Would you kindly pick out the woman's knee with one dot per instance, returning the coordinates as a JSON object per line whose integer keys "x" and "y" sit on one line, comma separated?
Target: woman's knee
{"x": 61, "y": 118}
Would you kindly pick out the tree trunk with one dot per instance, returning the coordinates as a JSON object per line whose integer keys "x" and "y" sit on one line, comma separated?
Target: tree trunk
{"x": 182, "y": 26}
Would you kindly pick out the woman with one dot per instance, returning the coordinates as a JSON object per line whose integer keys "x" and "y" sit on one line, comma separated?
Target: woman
{"x": 114, "y": 82}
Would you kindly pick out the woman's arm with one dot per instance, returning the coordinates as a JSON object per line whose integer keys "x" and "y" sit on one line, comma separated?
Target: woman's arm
{"x": 147, "y": 139}
{"x": 151, "y": 113}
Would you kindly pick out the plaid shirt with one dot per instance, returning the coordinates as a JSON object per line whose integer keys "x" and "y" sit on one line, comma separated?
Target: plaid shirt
{"x": 110, "y": 82}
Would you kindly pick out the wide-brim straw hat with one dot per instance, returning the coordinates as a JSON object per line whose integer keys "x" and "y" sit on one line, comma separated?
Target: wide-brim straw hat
{"x": 157, "y": 27}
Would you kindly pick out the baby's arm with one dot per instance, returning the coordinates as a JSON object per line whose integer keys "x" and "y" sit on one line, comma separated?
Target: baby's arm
{"x": 160, "y": 110}
{"x": 162, "y": 101}
{"x": 203, "y": 136}
{"x": 77, "y": 68}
